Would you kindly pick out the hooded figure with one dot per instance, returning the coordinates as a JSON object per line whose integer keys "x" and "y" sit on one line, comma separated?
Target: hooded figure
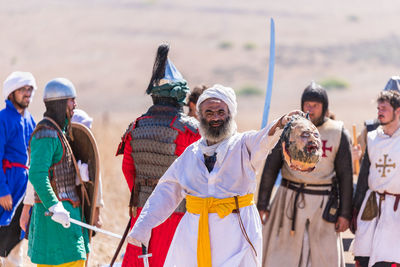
{"x": 56, "y": 95}
{"x": 316, "y": 93}
{"x": 150, "y": 145}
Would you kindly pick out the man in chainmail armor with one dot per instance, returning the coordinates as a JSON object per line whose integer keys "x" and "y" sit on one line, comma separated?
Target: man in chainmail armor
{"x": 150, "y": 145}
{"x": 53, "y": 241}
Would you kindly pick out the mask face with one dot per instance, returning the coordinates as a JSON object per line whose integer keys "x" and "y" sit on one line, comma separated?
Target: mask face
{"x": 301, "y": 144}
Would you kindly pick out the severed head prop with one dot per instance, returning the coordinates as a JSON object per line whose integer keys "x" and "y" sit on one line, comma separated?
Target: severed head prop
{"x": 301, "y": 144}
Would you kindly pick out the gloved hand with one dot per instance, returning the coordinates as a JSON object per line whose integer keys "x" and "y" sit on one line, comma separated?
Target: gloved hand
{"x": 84, "y": 171}
{"x": 60, "y": 215}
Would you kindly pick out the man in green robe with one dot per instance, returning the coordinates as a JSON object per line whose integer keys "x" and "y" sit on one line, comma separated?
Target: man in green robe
{"x": 53, "y": 241}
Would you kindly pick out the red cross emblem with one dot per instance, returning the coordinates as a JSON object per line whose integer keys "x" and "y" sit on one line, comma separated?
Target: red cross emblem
{"x": 325, "y": 148}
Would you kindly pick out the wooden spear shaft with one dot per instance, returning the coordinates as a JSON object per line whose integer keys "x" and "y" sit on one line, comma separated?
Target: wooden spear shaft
{"x": 356, "y": 164}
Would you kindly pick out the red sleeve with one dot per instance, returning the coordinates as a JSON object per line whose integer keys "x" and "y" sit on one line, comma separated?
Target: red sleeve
{"x": 184, "y": 139}
{"x": 128, "y": 166}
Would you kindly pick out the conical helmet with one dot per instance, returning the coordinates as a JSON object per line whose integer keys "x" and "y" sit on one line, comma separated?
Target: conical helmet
{"x": 393, "y": 84}
{"x": 166, "y": 80}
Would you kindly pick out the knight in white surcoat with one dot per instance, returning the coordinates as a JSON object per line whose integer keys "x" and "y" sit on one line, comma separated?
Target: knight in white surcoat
{"x": 377, "y": 228}
{"x": 302, "y": 225}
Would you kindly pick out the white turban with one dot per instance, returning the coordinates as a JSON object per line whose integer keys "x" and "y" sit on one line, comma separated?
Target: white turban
{"x": 225, "y": 94}
{"x": 82, "y": 117}
{"x": 16, "y": 80}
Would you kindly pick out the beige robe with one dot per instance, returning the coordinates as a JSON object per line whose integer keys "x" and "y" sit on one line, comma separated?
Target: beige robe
{"x": 315, "y": 242}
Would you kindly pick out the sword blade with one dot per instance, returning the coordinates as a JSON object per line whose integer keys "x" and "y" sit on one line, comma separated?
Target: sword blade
{"x": 270, "y": 75}
{"x": 146, "y": 262}
{"x": 88, "y": 226}
{"x": 145, "y": 258}
{"x": 94, "y": 228}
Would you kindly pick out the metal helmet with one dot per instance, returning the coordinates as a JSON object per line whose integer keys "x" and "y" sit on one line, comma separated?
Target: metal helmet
{"x": 57, "y": 89}
{"x": 393, "y": 84}
{"x": 315, "y": 92}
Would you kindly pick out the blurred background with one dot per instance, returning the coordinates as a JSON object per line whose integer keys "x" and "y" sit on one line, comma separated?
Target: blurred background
{"x": 107, "y": 49}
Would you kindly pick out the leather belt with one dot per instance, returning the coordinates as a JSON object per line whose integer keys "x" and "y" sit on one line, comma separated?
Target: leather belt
{"x": 300, "y": 189}
{"x": 382, "y": 197}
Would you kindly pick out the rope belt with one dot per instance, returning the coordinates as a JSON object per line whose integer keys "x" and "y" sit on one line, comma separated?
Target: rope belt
{"x": 8, "y": 165}
{"x": 222, "y": 207}
{"x": 300, "y": 190}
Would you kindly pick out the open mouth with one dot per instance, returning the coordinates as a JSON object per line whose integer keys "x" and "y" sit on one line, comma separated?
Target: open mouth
{"x": 216, "y": 124}
{"x": 311, "y": 148}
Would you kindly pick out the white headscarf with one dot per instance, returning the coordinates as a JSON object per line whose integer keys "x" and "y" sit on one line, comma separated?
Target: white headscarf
{"x": 82, "y": 117}
{"x": 16, "y": 80}
{"x": 225, "y": 94}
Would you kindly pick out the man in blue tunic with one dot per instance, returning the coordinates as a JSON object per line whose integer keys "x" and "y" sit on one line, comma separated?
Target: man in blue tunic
{"x": 16, "y": 127}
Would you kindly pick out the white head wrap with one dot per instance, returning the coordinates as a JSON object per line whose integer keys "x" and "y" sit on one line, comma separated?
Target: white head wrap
{"x": 16, "y": 80}
{"x": 225, "y": 94}
{"x": 82, "y": 117}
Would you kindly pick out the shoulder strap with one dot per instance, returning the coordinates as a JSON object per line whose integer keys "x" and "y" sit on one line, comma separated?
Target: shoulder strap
{"x": 78, "y": 173}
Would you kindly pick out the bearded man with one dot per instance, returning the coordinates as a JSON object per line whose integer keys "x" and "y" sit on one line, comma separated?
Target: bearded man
{"x": 16, "y": 127}
{"x": 53, "y": 241}
{"x": 378, "y": 190}
{"x": 150, "y": 145}
{"x": 392, "y": 85}
{"x": 295, "y": 233}
{"x": 217, "y": 177}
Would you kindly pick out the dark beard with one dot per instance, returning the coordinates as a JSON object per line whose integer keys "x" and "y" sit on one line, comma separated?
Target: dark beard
{"x": 20, "y": 105}
{"x": 386, "y": 123}
{"x": 218, "y": 133}
{"x": 17, "y": 104}
{"x": 319, "y": 121}
{"x": 302, "y": 155}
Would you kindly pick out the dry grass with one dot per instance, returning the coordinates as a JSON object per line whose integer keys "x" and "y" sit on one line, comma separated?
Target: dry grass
{"x": 107, "y": 48}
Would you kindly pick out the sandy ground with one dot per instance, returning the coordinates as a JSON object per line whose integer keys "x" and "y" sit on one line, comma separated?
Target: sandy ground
{"x": 107, "y": 48}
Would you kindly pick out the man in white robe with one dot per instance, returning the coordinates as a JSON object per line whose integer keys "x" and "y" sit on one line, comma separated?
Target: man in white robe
{"x": 216, "y": 175}
{"x": 377, "y": 196}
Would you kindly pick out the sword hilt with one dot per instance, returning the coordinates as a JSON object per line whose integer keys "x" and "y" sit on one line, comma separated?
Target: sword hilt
{"x": 145, "y": 255}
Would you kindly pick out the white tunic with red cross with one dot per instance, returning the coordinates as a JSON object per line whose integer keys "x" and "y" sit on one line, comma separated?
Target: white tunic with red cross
{"x": 379, "y": 238}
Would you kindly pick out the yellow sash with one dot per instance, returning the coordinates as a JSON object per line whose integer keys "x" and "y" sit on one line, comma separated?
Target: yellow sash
{"x": 78, "y": 263}
{"x": 203, "y": 206}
